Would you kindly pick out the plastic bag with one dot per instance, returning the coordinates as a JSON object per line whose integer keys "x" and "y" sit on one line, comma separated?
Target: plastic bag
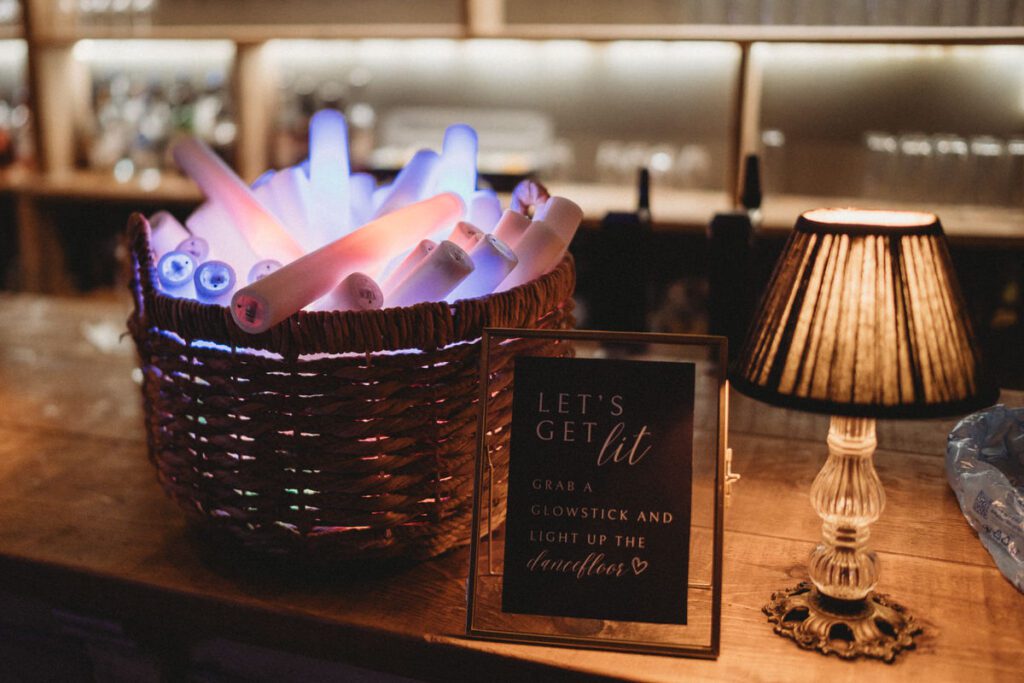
{"x": 985, "y": 467}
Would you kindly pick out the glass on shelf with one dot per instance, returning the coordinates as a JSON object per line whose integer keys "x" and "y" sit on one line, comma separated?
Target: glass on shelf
{"x": 147, "y": 94}
{"x": 569, "y": 110}
{"x": 990, "y": 170}
{"x": 16, "y": 143}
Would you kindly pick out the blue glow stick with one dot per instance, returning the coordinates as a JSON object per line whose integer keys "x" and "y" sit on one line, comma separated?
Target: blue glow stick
{"x": 174, "y": 273}
{"x": 412, "y": 183}
{"x": 361, "y": 187}
{"x": 484, "y": 209}
{"x": 457, "y": 170}
{"x": 328, "y": 174}
{"x": 215, "y": 282}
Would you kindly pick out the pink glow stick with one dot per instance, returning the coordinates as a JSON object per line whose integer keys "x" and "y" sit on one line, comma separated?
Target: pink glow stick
{"x": 329, "y": 174}
{"x": 277, "y": 296}
{"x": 466, "y": 235}
{"x": 220, "y": 184}
{"x": 561, "y": 214}
{"x": 357, "y": 292}
{"x": 432, "y": 278}
{"x": 539, "y": 250}
{"x": 510, "y": 227}
{"x": 493, "y": 260}
{"x": 484, "y": 210}
{"x": 418, "y": 253}
{"x": 166, "y": 233}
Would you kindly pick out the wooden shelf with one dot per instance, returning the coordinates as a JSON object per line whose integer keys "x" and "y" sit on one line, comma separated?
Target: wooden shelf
{"x": 248, "y": 34}
{"x": 989, "y": 226}
{"x": 90, "y": 185}
{"x": 254, "y": 33}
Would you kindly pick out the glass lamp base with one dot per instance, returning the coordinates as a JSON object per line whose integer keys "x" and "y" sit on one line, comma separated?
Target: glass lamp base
{"x": 873, "y": 627}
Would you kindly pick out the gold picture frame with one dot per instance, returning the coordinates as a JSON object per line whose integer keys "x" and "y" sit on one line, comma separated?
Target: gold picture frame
{"x": 699, "y": 637}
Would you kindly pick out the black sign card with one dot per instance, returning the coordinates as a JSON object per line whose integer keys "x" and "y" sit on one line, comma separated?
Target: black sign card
{"x": 600, "y": 467}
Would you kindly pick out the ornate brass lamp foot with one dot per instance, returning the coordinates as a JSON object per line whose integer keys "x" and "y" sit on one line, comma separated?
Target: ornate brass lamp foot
{"x": 873, "y": 627}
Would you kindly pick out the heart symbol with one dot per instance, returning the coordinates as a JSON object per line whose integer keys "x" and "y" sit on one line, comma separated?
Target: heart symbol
{"x": 639, "y": 566}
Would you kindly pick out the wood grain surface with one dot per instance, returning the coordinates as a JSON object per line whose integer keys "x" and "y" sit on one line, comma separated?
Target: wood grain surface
{"x": 84, "y": 526}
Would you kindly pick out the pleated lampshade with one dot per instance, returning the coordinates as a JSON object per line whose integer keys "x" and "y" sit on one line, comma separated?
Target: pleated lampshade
{"x": 863, "y": 316}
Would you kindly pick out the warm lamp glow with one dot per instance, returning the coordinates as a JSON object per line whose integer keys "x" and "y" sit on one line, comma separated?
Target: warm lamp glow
{"x": 871, "y": 217}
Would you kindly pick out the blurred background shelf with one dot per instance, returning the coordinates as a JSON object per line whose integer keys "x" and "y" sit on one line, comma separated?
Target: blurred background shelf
{"x": 884, "y": 103}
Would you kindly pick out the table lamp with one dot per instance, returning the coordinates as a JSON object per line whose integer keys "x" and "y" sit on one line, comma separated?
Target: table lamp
{"x": 862, "y": 319}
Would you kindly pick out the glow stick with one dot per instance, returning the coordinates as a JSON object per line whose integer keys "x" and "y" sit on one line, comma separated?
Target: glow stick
{"x": 432, "y": 278}
{"x": 214, "y": 280}
{"x": 539, "y": 250}
{"x": 280, "y": 294}
{"x": 418, "y": 253}
{"x": 561, "y": 214}
{"x": 457, "y": 169}
{"x": 412, "y": 183}
{"x": 196, "y": 247}
{"x": 484, "y": 210}
{"x": 511, "y": 227}
{"x": 215, "y": 225}
{"x": 493, "y": 260}
{"x": 287, "y": 196}
{"x": 165, "y": 233}
{"x": 174, "y": 273}
{"x": 357, "y": 292}
{"x": 261, "y": 269}
{"x": 466, "y": 235}
{"x": 219, "y": 183}
{"x": 328, "y": 174}
{"x": 262, "y": 180}
{"x": 361, "y": 186}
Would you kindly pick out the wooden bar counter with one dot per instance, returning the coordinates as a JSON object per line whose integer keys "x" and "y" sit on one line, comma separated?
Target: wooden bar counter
{"x": 100, "y": 578}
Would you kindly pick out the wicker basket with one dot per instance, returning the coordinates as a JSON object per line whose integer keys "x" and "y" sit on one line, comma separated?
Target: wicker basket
{"x": 331, "y": 436}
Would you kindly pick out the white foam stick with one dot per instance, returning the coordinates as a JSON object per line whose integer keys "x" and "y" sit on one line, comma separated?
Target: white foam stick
{"x": 196, "y": 247}
{"x": 361, "y": 187}
{"x": 328, "y": 173}
{"x": 466, "y": 235}
{"x": 561, "y": 214}
{"x": 357, "y": 292}
{"x": 417, "y": 254}
{"x": 539, "y": 250}
{"x": 379, "y": 195}
{"x": 412, "y": 183}
{"x": 174, "y": 273}
{"x": 261, "y": 269}
{"x": 287, "y": 195}
{"x": 493, "y": 260}
{"x": 511, "y": 227}
{"x": 457, "y": 169}
{"x": 282, "y": 293}
{"x": 484, "y": 209}
{"x": 165, "y": 233}
{"x": 214, "y": 224}
{"x": 220, "y": 184}
{"x": 433, "y": 278}
{"x": 215, "y": 281}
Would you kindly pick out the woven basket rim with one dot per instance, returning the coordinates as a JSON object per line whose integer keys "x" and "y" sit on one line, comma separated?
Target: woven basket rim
{"x": 425, "y": 326}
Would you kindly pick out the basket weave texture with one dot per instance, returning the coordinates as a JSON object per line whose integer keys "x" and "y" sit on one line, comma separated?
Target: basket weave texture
{"x": 332, "y": 436}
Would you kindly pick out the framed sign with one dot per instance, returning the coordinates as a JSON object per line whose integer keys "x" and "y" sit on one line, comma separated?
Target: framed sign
{"x": 598, "y": 491}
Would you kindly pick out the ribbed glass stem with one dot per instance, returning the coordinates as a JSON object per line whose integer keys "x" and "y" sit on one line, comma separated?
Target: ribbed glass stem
{"x": 848, "y": 496}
